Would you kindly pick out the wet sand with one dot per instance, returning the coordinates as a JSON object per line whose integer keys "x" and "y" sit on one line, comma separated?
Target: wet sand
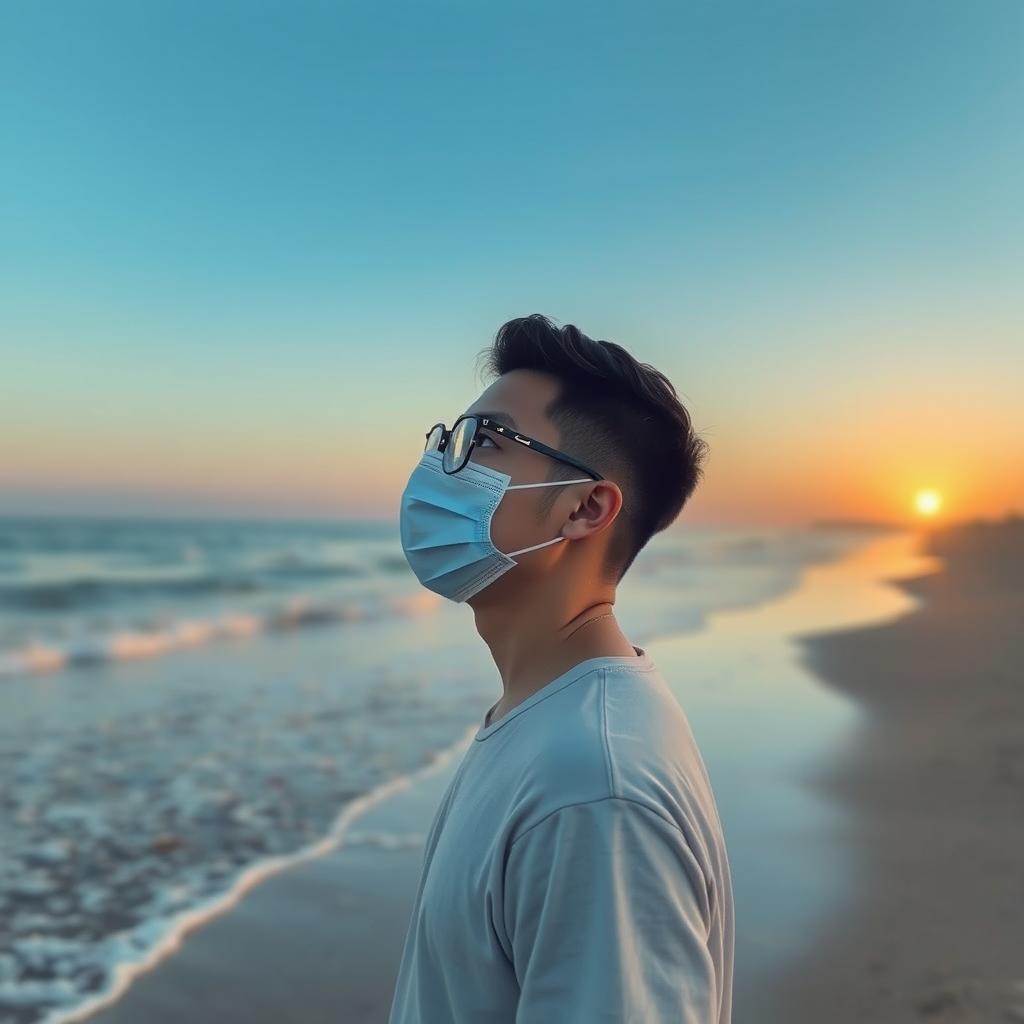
{"x": 935, "y": 781}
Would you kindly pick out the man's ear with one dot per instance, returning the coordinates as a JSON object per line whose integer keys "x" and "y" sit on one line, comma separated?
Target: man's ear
{"x": 596, "y": 511}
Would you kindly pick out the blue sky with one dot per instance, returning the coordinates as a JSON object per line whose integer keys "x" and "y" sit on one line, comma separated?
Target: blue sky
{"x": 234, "y": 232}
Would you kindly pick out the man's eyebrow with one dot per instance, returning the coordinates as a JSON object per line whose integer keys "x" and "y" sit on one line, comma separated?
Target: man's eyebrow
{"x": 502, "y": 417}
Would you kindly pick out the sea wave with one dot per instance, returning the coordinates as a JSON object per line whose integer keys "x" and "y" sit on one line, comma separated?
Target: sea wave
{"x": 125, "y": 644}
{"x": 91, "y": 591}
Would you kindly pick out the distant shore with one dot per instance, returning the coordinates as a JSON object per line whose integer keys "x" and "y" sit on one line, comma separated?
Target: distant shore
{"x": 935, "y": 783}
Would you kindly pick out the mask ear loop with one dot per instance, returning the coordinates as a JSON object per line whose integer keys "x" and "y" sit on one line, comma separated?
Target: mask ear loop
{"x": 543, "y": 544}
{"x": 547, "y": 483}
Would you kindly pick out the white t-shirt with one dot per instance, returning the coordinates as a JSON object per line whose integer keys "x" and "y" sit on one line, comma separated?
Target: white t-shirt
{"x": 576, "y": 867}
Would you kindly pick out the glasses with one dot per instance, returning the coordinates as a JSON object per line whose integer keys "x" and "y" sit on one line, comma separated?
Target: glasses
{"x": 457, "y": 444}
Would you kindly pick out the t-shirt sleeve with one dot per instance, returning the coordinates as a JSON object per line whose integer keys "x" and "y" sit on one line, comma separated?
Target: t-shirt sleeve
{"x": 606, "y": 912}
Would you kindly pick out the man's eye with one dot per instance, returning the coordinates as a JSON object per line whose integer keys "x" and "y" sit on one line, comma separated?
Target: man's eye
{"x": 489, "y": 440}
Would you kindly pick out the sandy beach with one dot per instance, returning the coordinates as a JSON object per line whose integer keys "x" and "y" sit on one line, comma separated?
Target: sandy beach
{"x": 935, "y": 779}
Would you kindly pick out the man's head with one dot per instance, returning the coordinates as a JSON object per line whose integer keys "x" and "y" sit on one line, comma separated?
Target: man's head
{"x": 593, "y": 401}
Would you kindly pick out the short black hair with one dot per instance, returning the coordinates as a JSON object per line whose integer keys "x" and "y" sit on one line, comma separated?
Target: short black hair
{"x": 619, "y": 416}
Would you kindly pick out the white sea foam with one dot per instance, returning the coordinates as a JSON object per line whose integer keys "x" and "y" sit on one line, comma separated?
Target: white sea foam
{"x": 130, "y": 953}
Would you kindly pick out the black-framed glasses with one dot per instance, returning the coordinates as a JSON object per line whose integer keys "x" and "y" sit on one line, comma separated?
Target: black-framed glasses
{"x": 457, "y": 444}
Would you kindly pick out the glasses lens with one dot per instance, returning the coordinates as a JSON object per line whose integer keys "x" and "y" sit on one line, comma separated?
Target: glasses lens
{"x": 457, "y": 452}
{"x": 434, "y": 438}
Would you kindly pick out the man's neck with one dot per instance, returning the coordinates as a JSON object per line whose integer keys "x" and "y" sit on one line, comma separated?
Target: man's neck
{"x": 528, "y": 657}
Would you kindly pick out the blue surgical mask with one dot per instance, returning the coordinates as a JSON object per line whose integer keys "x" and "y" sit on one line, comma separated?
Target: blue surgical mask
{"x": 445, "y": 524}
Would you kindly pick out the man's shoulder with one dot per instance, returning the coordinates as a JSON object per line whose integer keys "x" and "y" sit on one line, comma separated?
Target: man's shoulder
{"x": 646, "y": 730}
{"x": 625, "y": 738}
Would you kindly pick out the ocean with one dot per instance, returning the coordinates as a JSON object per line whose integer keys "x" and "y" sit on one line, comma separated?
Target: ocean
{"x": 181, "y": 701}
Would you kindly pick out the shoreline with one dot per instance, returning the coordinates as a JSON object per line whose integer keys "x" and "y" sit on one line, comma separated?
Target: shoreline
{"x": 750, "y": 580}
{"x": 331, "y": 929}
{"x": 934, "y": 780}
{"x": 188, "y": 952}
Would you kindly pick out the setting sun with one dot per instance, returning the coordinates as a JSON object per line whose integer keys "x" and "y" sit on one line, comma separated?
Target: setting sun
{"x": 928, "y": 502}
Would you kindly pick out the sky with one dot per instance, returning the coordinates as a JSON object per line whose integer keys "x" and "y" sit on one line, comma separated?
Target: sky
{"x": 249, "y": 251}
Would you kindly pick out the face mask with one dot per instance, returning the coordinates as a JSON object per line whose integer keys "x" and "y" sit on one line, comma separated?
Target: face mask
{"x": 446, "y": 526}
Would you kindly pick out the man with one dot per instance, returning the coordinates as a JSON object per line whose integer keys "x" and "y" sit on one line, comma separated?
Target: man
{"x": 576, "y": 868}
